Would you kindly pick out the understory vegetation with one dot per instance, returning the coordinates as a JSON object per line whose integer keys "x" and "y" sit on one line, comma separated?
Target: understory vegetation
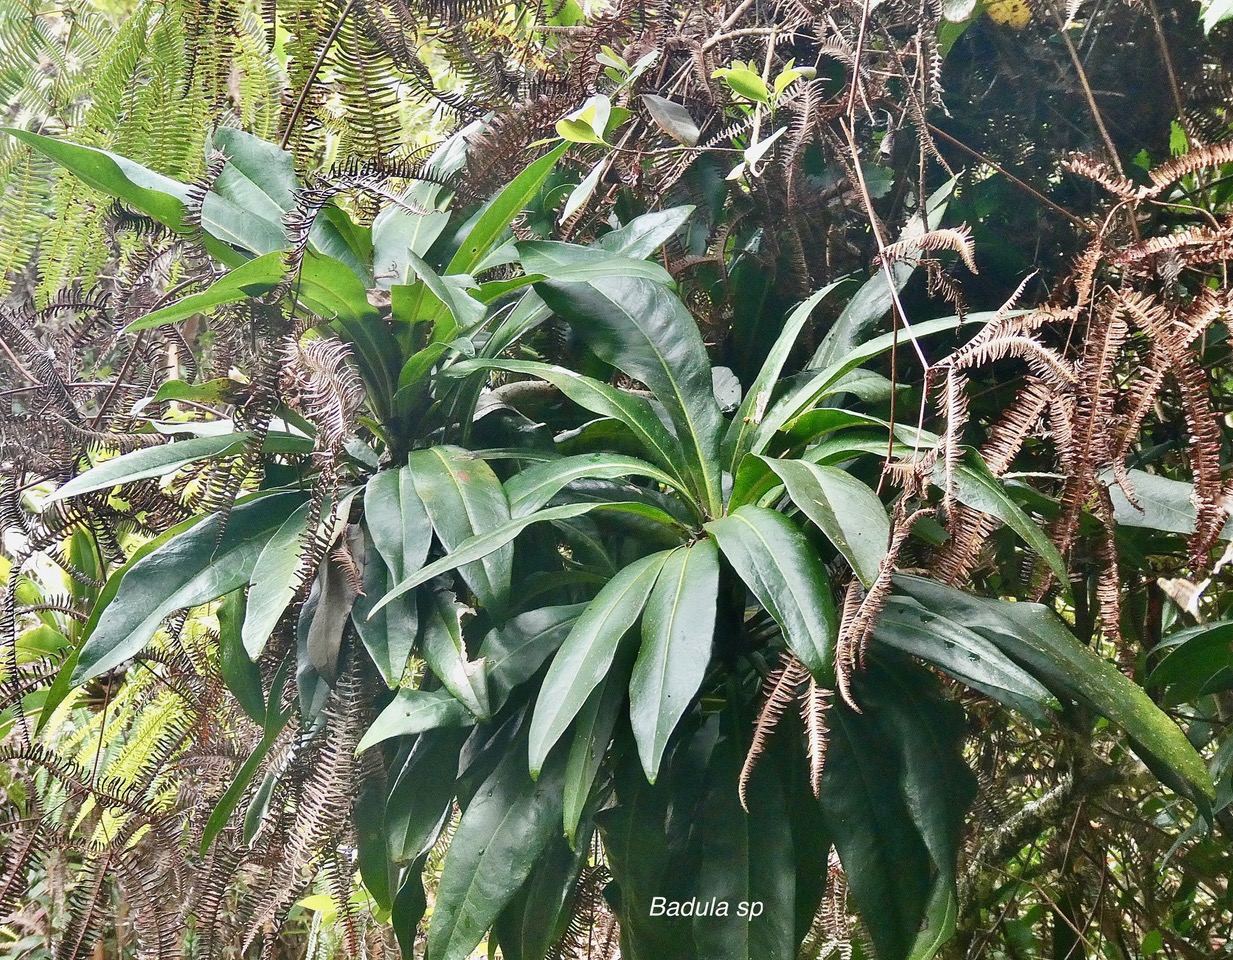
{"x": 673, "y": 481}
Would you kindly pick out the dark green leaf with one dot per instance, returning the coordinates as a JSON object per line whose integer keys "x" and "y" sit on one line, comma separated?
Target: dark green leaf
{"x": 515, "y": 651}
{"x": 592, "y": 735}
{"x": 239, "y": 673}
{"x": 192, "y": 568}
{"x": 463, "y": 497}
{"x": 1197, "y": 661}
{"x": 504, "y": 831}
{"x": 273, "y": 582}
{"x": 776, "y": 562}
{"x": 950, "y": 646}
{"x": 1033, "y": 635}
{"x": 587, "y": 653}
{"x": 530, "y": 489}
{"x": 420, "y": 799}
{"x": 644, "y": 235}
{"x": 644, "y": 330}
{"x": 415, "y": 711}
{"x": 672, "y": 118}
{"x": 389, "y": 634}
{"x": 844, "y": 509}
{"x": 445, "y": 651}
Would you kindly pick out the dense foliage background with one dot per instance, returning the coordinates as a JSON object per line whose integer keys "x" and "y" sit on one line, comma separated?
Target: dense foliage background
{"x": 468, "y": 470}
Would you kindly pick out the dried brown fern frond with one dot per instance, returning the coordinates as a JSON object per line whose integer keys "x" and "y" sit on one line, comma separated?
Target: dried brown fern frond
{"x": 781, "y": 688}
{"x": 956, "y": 239}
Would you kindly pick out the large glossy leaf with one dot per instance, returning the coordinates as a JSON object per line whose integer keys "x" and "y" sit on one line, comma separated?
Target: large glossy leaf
{"x": 397, "y": 521}
{"x": 273, "y": 582}
{"x": 888, "y": 866}
{"x": 810, "y": 390}
{"x": 747, "y": 859}
{"x": 190, "y": 569}
{"x": 633, "y": 411}
{"x": 844, "y": 509}
{"x": 539, "y": 914}
{"x": 873, "y": 300}
{"x": 389, "y": 634}
{"x": 515, "y": 651}
{"x": 260, "y": 180}
{"x": 239, "y": 673}
{"x": 397, "y": 232}
{"x": 644, "y": 235}
{"x": 947, "y": 644}
{"x": 463, "y": 497}
{"x": 740, "y": 432}
{"x": 533, "y": 487}
{"x": 776, "y": 562}
{"x": 678, "y": 623}
{"x": 1032, "y": 635}
{"x": 1197, "y": 661}
{"x": 644, "y": 330}
{"x": 500, "y": 212}
{"x": 445, "y": 651}
{"x": 476, "y": 548}
{"x": 160, "y": 197}
{"x": 587, "y": 653}
{"x": 420, "y": 798}
{"x": 415, "y": 711}
{"x": 503, "y": 832}
{"x": 159, "y": 461}
{"x": 592, "y": 734}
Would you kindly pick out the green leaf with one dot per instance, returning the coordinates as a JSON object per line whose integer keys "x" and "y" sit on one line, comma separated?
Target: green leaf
{"x": 160, "y": 461}
{"x": 644, "y": 235}
{"x": 273, "y": 583}
{"x": 569, "y": 262}
{"x": 421, "y": 797}
{"x": 776, "y": 562}
{"x": 1163, "y": 504}
{"x": 579, "y": 196}
{"x": 397, "y": 521}
{"x": 645, "y": 331}
{"x": 587, "y": 653}
{"x": 1197, "y": 661}
{"x": 260, "y": 183}
{"x": 532, "y": 488}
{"x": 806, "y": 394}
{"x": 463, "y": 497}
{"x": 1214, "y": 12}
{"x": 503, "y": 833}
{"x": 1033, "y": 635}
{"x": 415, "y": 711}
{"x": 599, "y": 398}
{"x": 678, "y": 623}
{"x": 445, "y": 651}
{"x": 740, "y": 432}
{"x": 906, "y": 626}
{"x": 328, "y": 288}
{"x": 888, "y": 866}
{"x": 239, "y": 673}
{"x": 150, "y": 193}
{"x": 192, "y": 568}
{"x": 389, "y": 635}
{"x": 746, "y": 83}
{"x": 747, "y": 859}
{"x": 873, "y": 300}
{"x": 979, "y": 489}
{"x": 397, "y": 232}
{"x": 843, "y": 508}
{"x": 592, "y": 734}
{"x": 501, "y": 210}
{"x": 515, "y": 651}
{"x": 475, "y": 549}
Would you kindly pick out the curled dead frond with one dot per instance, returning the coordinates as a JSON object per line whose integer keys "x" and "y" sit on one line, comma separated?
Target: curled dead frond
{"x": 781, "y": 687}
{"x": 956, "y": 239}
